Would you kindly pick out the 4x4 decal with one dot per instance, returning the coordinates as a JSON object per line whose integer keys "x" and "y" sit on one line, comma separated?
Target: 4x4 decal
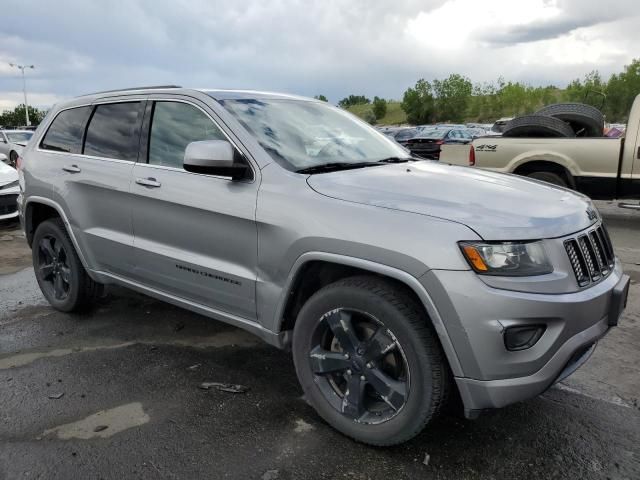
{"x": 486, "y": 148}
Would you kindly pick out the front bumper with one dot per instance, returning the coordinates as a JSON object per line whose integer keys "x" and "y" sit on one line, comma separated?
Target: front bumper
{"x": 8, "y": 203}
{"x": 476, "y": 316}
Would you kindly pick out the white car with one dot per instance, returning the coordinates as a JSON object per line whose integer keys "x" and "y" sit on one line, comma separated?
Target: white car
{"x": 12, "y": 142}
{"x": 9, "y": 190}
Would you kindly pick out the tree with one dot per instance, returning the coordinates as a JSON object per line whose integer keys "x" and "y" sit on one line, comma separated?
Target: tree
{"x": 321, "y": 97}
{"x": 379, "y": 107}
{"x": 452, "y": 96}
{"x": 16, "y": 117}
{"x": 418, "y": 103}
{"x": 352, "y": 100}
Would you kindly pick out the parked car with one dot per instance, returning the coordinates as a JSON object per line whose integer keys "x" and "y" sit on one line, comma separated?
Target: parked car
{"x": 393, "y": 283}
{"x": 499, "y": 126}
{"x": 602, "y": 168}
{"x": 403, "y": 135}
{"x": 427, "y": 143}
{"x": 12, "y": 142}
{"x": 9, "y": 190}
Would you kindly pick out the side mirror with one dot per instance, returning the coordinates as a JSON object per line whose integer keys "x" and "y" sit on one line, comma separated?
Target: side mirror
{"x": 214, "y": 157}
{"x": 3, "y": 158}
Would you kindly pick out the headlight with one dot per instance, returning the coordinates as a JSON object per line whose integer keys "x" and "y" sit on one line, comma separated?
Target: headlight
{"x": 9, "y": 185}
{"x": 519, "y": 259}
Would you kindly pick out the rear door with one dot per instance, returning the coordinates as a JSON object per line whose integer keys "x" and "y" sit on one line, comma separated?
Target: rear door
{"x": 92, "y": 185}
{"x": 195, "y": 234}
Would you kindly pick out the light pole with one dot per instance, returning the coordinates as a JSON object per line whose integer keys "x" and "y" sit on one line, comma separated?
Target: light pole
{"x": 24, "y": 89}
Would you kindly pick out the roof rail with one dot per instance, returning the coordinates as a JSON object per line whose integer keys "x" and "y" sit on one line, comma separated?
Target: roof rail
{"x": 152, "y": 87}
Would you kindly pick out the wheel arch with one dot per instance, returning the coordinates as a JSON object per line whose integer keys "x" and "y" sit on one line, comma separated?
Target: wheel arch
{"x": 314, "y": 270}
{"x": 39, "y": 209}
{"x": 554, "y": 165}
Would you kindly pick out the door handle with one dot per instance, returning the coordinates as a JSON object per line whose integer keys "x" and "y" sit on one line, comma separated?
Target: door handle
{"x": 71, "y": 169}
{"x": 148, "y": 182}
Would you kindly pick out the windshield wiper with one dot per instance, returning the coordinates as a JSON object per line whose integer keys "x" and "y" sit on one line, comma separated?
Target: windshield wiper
{"x": 335, "y": 166}
{"x": 398, "y": 160}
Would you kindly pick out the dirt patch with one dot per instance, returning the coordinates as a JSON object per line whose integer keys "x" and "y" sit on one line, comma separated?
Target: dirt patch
{"x": 15, "y": 254}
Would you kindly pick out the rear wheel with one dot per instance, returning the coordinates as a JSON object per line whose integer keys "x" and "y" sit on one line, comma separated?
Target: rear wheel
{"x": 549, "y": 177}
{"x": 368, "y": 360}
{"x": 62, "y": 278}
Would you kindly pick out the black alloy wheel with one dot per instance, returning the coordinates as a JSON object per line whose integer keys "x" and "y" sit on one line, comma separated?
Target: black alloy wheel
{"x": 53, "y": 267}
{"x": 359, "y": 366}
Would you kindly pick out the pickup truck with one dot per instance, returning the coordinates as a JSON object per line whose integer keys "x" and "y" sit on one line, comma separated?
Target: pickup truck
{"x": 602, "y": 168}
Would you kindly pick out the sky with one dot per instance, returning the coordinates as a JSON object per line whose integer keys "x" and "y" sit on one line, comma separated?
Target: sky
{"x": 330, "y": 47}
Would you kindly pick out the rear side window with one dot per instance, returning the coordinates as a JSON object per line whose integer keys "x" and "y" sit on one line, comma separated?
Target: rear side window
{"x": 173, "y": 127}
{"x": 114, "y": 131}
{"x": 65, "y": 132}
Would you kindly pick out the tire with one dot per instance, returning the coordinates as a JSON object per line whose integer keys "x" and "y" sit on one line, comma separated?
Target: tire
{"x": 387, "y": 321}
{"x": 585, "y": 120}
{"x": 534, "y": 126}
{"x": 62, "y": 279}
{"x": 549, "y": 177}
{"x": 13, "y": 158}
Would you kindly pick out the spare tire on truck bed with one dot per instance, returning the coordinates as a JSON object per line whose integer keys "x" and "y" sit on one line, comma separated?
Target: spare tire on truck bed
{"x": 537, "y": 126}
{"x": 585, "y": 120}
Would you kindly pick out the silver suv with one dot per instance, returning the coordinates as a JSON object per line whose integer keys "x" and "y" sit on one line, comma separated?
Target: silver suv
{"x": 398, "y": 284}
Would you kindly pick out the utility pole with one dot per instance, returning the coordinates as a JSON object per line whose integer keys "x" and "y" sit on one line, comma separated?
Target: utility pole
{"x": 24, "y": 89}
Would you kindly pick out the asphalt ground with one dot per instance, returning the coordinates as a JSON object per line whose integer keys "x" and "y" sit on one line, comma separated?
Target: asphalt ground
{"x": 116, "y": 394}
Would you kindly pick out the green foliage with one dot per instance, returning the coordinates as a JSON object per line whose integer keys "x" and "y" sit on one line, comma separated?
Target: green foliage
{"x": 16, "y": 117}
{"x": 456, "y": 99}
{"x": 379, "y": 107}
{"x": 368, "y": 116}
{"x": 321, "y": 97}
{"x": 418, "y": 103}
{"x": 353, "y": 100}
{"x": 452, "y": 97}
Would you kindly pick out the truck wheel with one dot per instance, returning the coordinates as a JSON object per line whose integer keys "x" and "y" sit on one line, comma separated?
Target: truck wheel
{"x": 549, "y": 177}
{"x": 369, "y": 361}
{"x": 62, "y": 278}
{"x": 534, "y": 126}
{"x": 585, "y": 120}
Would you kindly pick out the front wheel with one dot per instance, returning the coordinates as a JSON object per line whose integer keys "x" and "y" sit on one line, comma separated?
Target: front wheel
{"x": 13, "y": 159}
{"x": 369, "y": 361}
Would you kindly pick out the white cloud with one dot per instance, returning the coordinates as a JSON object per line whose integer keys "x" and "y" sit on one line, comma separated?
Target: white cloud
{"x": 334, "y": 47}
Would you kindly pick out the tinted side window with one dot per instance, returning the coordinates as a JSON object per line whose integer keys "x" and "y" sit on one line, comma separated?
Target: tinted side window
{"x": 114, "y": 131}
{"x": 174, "y": 125}
{"x": 66, "y": 130}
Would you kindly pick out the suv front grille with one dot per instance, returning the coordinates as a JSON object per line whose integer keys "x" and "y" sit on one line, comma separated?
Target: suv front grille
{"x": 591, "y": 255}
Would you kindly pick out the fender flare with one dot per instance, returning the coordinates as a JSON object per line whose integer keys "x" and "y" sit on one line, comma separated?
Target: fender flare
{"x": 56, "y": 206}
{"x": 406, "y": 279}
{"x": 544, "y": 156}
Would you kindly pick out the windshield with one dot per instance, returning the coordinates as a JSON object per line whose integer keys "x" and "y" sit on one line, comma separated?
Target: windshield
{"x": 300, "y": 134}
{"x": 19, "y": 137}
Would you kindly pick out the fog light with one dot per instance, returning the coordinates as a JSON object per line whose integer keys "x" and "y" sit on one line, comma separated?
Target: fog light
{"x": 521, "y": 338}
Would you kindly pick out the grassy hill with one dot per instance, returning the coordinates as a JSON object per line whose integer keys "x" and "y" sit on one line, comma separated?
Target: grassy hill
{"x": 395, "y": 115}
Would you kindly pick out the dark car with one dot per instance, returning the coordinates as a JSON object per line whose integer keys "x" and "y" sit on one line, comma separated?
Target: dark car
{"x": 403, "y": 135}
{"x": 427, "y": 143}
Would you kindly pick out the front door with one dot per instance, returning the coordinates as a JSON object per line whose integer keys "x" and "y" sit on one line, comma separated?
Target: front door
{"x": 194, "y": 235}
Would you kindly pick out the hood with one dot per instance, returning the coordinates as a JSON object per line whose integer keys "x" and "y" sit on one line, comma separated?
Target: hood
{"x": 496, "y": 206}
{"x": 7, "y": 173}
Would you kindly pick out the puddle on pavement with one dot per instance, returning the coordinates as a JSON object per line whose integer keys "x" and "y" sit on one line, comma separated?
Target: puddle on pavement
{"x": 237, "y": 338}
{"x": 115, "y": 420}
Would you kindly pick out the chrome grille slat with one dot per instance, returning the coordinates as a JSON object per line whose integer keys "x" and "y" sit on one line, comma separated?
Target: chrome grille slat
{"x": 590, "y": 255}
